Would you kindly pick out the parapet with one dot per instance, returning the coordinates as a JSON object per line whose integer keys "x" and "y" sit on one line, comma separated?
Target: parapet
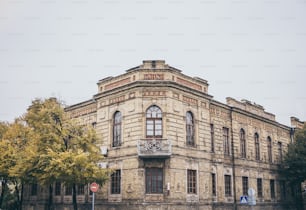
{"x": 250, "y": 107}
{"x": 296, "y": 123}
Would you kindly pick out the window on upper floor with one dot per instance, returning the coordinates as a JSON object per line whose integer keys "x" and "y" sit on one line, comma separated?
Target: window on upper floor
{"x": 154, "y": 122}
{"x": 280, "y": 151}
{"x": 117, "y": 124}
{"x": 257, "y": 151}
{"x": 190, "y": 129}
{"x": 242, "y": 143}
{"x": 226, "y": 145}
{"x": 269, "y": 148}
{"x": 212, "y": 137}
{"x": 116, "y": 182}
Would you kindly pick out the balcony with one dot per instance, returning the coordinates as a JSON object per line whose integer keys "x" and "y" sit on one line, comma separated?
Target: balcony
{"x": 154, "y": 148}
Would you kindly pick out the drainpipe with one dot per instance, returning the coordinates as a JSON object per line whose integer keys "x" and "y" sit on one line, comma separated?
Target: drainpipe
{"x": 233, "y": 159}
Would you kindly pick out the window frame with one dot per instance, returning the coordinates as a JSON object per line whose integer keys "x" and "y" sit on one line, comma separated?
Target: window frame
{"x": 269, "y": 149}
{"x": 213, "y": 184}
{"x": 259, "y": 188}
{"x": 227, "y": 185}
{"x": 212, "y": 137}
{"x": 34, "y": 189}
{"x": 190, "y": 134}
{"x": 58, "y": 188}
{"x": 272, "y": 188}
{"x": 68, "y": 190}
{"x": 117, "y": 129}
{"x": 226, "y": 143}
{"x": 115, "y": 182}
{"x": 80, "y": 189}
{"x": 257, "y": 146}
{"x": 280, "y": 151}
{"x": 242, "y": 143}
{"x": 191, "y": 181}
{"x": 156, "y": 120}
{"x": 245, "y": 185}
{"x": 154, "y": 178}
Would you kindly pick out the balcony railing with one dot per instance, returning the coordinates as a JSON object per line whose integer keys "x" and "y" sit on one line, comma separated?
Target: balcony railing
{"x": 154, "y": 148}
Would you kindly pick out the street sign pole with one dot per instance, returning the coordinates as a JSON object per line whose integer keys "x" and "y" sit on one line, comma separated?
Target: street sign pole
{"x": 93, "y": 188}
{"x": 93, "y": 201}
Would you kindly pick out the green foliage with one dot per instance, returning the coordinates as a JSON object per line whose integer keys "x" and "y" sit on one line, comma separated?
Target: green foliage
{"x": 45, "y": 146}
{"x": 294, "y": 164}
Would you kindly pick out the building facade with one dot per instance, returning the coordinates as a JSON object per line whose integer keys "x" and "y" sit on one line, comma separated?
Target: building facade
{"x": 172, "y": 146}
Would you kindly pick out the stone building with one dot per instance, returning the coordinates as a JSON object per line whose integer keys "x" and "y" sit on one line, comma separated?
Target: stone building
{"x": 172, "y": 146}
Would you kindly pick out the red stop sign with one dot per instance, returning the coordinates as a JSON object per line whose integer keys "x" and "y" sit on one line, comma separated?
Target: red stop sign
{"x": 94, "y": 187}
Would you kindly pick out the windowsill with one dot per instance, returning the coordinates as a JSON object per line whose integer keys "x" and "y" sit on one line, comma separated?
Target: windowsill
{"x": 154, "y": 197}
{"x": 115, "y": 197}
{"x": 192, "y": 197}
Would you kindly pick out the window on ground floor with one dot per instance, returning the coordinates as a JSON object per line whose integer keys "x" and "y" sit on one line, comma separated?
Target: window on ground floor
{"x": 81, "y": 189}
{"x": 272, "y": 188}
{"x": 228, "y": 185}
{"x": 116, "y": 182}
{"x": 34, "y": 189}
{"x": 213, "y": 184}
{"x": 68, "y": 190}
{"x": 245, "y": 185}
{"x": 259, "y": 187}
{"x": 154, "y": 180}
{"x": 57, "y": 188}
{"x": 192, "y": 181}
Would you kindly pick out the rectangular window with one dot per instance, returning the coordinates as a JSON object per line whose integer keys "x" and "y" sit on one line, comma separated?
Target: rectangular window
{"x": 68, "y": 190}
{"x": 280, "y": 152}
{"x": 154, "y": 180}
{"x": 259, "y": 187}
{"x": 212, "y": 137}
{"x": 80, "y": 189}
{"x": 228, "y": 185}
{"x": 226, "y": 141}
{"x": 269, "y": 149}
{"x": 272, "y": 188}
{"x": 213, "y": 184}
{"x": 192, "y": 181}
{"x": 57, "y": 188}
{"x": 245, "y": 185}
{"x": 34, "y": 189}
{"x": 116, "y": 182}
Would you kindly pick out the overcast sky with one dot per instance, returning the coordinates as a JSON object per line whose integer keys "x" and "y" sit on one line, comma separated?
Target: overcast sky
{"x": 246, "y": 49}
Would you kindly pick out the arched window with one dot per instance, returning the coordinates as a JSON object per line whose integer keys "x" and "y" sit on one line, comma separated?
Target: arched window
{"x": 189, "y": 129}
{"x": 117, "y": 129}
{"x": 269, "y": 145}
{"x": 154, "y": 122}
{"x": 242, "y": 143}
{"x": 257, "y": 151}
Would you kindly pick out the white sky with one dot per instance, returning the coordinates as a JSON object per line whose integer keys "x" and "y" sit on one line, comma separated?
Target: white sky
{"x": 246, "y": 49}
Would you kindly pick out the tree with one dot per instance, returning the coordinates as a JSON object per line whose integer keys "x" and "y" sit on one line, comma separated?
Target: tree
{"x": 60, "y": 149}
{"x": 13, "y": 140}
{"x": 293, "y": 169}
